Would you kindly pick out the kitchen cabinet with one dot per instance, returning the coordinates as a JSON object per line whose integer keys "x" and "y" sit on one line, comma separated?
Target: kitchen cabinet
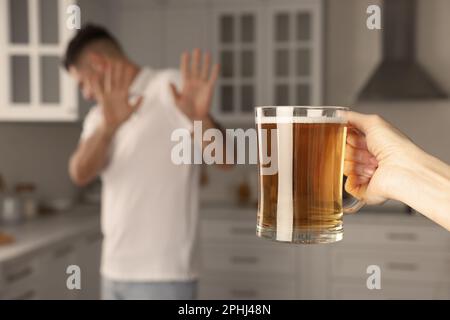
{"x": 414, "y": 261}
{"x": 33, "y": 86}
{"x": 35, "y": 267}
{"x": 89, "y": 253}
{"x": 412, "y": 253}
{"x": 21, "y": 278}
{"x": 238, "y": 45}
{"x": 56, "y": 260}
{"x": 270, "y": 51}
{"x": 236, "y": 288}
{"x": 43, "y": 274}
{"x": 235, "y": 264}
{"x": 390, "y": 291}
{"x": 295, "y": 51}
{"x": 84, "y": 251}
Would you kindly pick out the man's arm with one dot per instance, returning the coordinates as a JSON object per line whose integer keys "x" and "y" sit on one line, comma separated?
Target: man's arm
{"x": 209, "y": 123}
{"x": 426, "y": 188}
{"x": 195, "y": 97}
{"x": 90, "y": 157}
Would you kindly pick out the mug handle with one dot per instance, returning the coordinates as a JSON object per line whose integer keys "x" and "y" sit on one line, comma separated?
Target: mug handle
{"x": 353, "y": 205}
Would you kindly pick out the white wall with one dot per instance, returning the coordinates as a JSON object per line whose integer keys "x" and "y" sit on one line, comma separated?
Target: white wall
{"x": 351, "y": 50}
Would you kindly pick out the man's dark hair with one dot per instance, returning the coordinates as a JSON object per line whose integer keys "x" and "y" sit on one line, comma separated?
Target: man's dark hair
{"x": 87, "y": 35}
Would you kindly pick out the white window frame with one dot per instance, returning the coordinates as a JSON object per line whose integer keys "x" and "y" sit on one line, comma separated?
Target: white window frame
{"x": 265, "y": 45}
{"x": 314, "y": 80}
{"x": 67, "y": 108}
{"x": 237, "y": 8}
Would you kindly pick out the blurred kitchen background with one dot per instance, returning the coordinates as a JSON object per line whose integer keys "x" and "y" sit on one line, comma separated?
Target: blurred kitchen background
{"x": 273, "y": 52}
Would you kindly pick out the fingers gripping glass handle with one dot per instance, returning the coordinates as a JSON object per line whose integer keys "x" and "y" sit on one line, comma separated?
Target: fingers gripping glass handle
{"x": 352, "y": 205}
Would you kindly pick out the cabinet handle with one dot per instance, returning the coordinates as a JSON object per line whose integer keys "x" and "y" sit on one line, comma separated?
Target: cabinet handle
{"x": 26, "y": 295}
{"x": 400, "y": 236}
{"x": 20, "y": 274}
{"x": 402, "y": 266}
{"x": 244, "y": 260}
{"x": 242, "y": 293}
{"x": 62, "y": 252}
{"x": 239, "y": 231}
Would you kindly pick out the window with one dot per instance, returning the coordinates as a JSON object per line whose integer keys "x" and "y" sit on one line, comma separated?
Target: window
{"x": 270, "y": 54}
{"x": 293, "y": 49}
{"x": 237, "y": 49}
{"x": 33, "y": 84}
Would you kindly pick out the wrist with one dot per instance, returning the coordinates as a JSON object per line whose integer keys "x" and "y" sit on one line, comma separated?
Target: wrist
{"x": 107, "y": 131}
{"x": 206, "y": 121}
{"x": 421, "y": 177}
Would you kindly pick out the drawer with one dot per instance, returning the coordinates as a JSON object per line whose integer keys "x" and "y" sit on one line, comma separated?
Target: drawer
{"x": 248, "y": 258}
{"x": 21, "y": 270}
{"x": 412, "y": 236}
{"x": 21, "y": 278}
{"x": 22, "y": 291}
{"x": 237, "y": 289}
{"x": 242, "y": 230}
{"x": 388, "y": 291}
{"x": 443, "y": 291}
{"x": 424, "y": 267}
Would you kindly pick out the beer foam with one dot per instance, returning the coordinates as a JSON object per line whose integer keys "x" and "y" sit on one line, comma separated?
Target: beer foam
{"x": 286, "y": 119}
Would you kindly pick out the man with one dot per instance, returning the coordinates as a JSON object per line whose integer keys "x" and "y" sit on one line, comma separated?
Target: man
{"x": 149, "y": 205}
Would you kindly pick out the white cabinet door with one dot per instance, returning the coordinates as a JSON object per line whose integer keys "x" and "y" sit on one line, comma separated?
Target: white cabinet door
{"x": 388, "y": 291}
{"x": 248, "y": 259}
{"x": 55, "y": 262}
{"x": 442, "y": 291}
{"x": 395, "y": 265}
{"x": 33, "y": 86}
{"x": 22, "y": 278}
{"x": 237, "y": 45}
{"x": 312, "y": 273}
{"x": 270, "y": 53}
{"x": 88, "y": 257}
{"x": 82, "y": 251}
{"x": 231, "y": 287}
{"x": 294, "y": 50}
{"x": 186, "y": 28}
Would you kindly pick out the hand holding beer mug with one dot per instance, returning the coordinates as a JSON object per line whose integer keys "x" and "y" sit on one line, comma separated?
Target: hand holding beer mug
{"x": 300, "y": 162}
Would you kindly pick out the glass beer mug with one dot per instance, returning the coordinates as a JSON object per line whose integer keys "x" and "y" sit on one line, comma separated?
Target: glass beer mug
{"x": 300, "y": 164}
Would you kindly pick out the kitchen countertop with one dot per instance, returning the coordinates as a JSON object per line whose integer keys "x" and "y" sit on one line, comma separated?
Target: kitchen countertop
{"x": 368, "y": 215}
{"x": 46, "y": 230}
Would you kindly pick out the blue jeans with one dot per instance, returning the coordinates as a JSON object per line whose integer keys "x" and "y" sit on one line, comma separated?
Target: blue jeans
{"x": 126, "y": 290}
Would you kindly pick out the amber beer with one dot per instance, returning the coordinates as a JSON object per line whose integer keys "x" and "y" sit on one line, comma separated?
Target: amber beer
{"x": 300, "y": 200}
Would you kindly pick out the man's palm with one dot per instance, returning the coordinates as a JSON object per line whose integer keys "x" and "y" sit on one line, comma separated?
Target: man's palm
{"x": 112, "y": 93}
{"x": 195, "y": 97}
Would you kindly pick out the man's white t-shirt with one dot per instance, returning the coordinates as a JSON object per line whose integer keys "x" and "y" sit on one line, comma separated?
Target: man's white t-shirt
{"x": 149, "y": 210}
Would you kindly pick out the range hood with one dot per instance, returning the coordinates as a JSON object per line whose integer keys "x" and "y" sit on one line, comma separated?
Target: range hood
{"x": 399, "y": 76}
